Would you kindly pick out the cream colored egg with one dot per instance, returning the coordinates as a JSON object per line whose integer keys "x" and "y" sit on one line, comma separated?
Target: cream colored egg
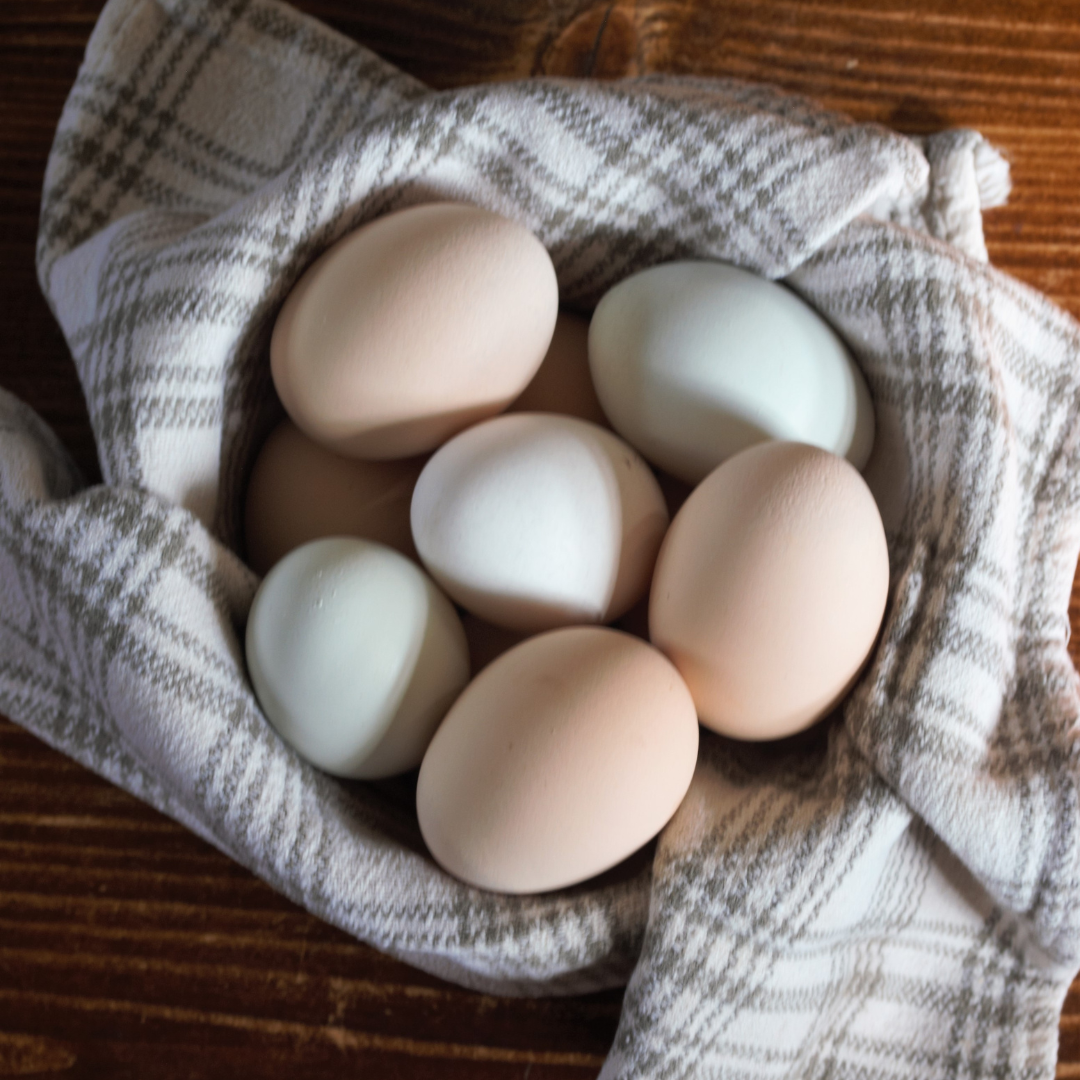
{"x": 300, "y": 491}
{"x": 560, "y": 759}
{"x": 355, "y": 656}
{"x": 413, "y": 327}
{"x": 770, "y": 589}
{"x": 695, "y": 361}
{"x": 564, "y": 384}
{"x": 533, "y": 521}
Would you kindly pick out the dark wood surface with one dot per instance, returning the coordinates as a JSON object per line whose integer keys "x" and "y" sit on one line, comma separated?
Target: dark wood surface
{"x": 128, "y": 948}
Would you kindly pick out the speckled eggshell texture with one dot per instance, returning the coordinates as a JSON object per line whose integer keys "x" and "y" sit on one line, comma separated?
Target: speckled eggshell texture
{"x": 413, "y": 327}
{"x": 770, "y": 588}
{"x": 695, "y": 361}
{"x": 561, "y": 758}
{"x": 300, "y": 491}
{"x": 355, "y": 656}
{"x": 534, "y": 521}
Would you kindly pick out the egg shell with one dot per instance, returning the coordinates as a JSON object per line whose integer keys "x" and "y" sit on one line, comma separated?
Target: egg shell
{"x": 564, "y": 384}
{"x": 355, "y": 656}
{"x": 413, "y": 327}
{"x": 560, "y": 759}
{"x": 695, "y": 361}
{"x": 770, "y": 588}
{"x": 534, "y": 521}
{"x": 300, "y": 491}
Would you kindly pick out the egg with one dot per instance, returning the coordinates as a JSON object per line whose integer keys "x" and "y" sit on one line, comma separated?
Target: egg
{"x": 413, "y": 327}
{"x": 355, "y": 656}
{"x": 561, "y": 758}
{"x": 300, "y": 491}
{"x": 695, "y": 361}
{"x": 534, "y": 521}
{"x": 563, "y": 384}
{"x": 770, "y": 588}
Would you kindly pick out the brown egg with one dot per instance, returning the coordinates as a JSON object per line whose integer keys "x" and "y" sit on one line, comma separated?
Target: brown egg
{"x": 300, "y": 491}
{"x": 770, "y": 588}
{"x": 413, "y": 327}
{"x": 563, "y": 384}
{"x": 557, "y": 761}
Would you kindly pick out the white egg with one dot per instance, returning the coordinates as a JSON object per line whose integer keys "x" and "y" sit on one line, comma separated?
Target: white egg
{"x": 534, "y": 521}
{"x": 695, "y": 361}
{"x": 355, "y": 656}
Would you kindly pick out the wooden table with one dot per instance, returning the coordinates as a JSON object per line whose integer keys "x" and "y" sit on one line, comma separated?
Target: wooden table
{"x": 130, "y": 948}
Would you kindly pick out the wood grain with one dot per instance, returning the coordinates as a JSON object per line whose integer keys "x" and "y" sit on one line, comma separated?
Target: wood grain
{"x": 130, "y": 948}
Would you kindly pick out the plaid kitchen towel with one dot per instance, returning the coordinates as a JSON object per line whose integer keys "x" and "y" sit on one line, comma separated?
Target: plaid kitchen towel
{"x": 894, "y": 894}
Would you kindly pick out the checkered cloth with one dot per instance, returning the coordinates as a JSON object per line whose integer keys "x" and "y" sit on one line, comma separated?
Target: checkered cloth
{"x": 894, "y": 894}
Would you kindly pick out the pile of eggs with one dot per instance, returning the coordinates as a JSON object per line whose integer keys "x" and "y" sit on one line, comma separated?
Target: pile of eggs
{"x": 463, "y": 495}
